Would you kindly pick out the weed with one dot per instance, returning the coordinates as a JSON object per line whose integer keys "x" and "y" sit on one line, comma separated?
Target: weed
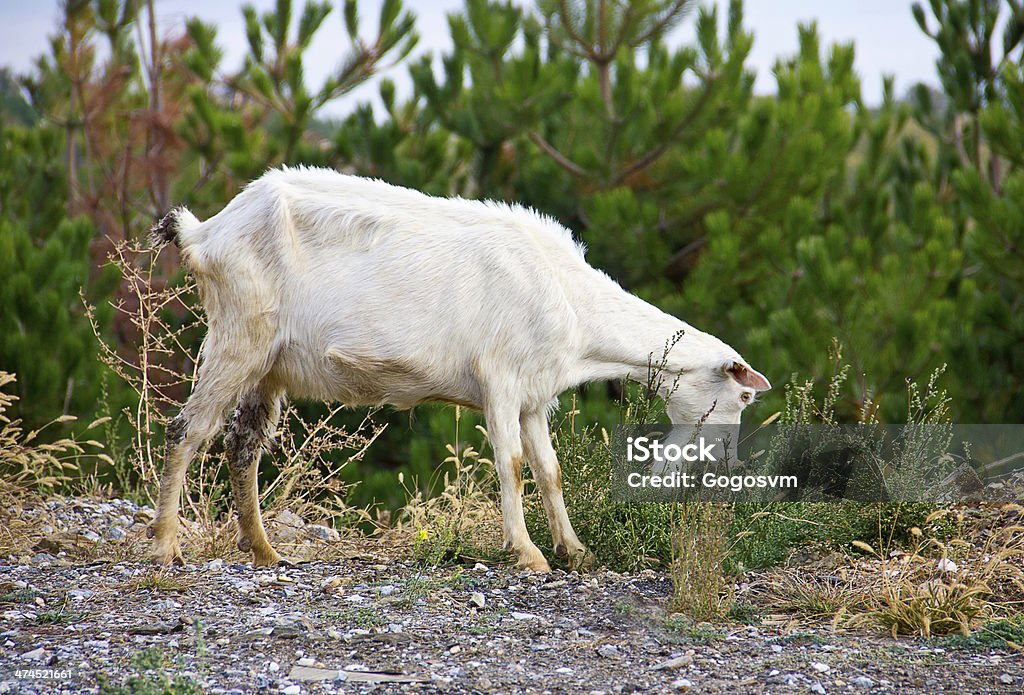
{"x": 161, "y": 580}
{"x": 744, "y": 613}
{"x": 994, "y": 634}
{"x": 700, "y": 545}
{"x": 697, "y": 633}
{"x": 816, "y": 594}
{"x": 462, "y": 522}
{"x": 59, "y": 616}
{"x": 364, "y": 617}
{"x": 20, "y": 596}
{"x": 420, "y": 587}
{"x": 151, "y": 677}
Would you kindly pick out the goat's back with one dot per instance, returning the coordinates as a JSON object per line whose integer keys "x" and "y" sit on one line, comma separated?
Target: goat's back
{"x": 424, "y": 294}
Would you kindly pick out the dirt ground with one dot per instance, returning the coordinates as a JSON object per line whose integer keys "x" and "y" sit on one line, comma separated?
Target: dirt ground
{"x": 113, "y": 623}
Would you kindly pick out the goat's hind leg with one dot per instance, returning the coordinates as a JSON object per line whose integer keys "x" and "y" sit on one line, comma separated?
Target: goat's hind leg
{"x": 164, "y": 530}
{"x": 251, "y": 428}
{"x": 197, "y": 422}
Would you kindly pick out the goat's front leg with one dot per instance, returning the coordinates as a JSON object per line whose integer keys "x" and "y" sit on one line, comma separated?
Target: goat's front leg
{"x": 251, "y": 427}
{"x": 544, "y": 464}
{"x": 504, "y": 433}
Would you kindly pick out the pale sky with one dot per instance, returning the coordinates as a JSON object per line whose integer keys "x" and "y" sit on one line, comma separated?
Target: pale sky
{"x": 886, "y": 37}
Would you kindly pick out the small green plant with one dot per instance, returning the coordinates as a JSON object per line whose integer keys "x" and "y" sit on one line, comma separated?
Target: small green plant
{"x": 744, "y": 613}
{"x": 420, "y": 587}
{"x": 150, "y": 677}
{"x": 364, "y": 617}
{"x": 697, "y": 633}
{"x": 625, "y": 537}
{"x": 20, "y": 596}
{"x": 60, "y": 616}
{"x": 1004, "y": 633}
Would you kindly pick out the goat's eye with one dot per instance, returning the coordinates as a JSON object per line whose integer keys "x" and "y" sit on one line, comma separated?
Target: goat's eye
{"x": 745, "y": 397}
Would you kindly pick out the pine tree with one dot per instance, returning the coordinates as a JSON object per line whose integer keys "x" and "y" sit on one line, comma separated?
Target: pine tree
{"x": 980, "y": 135}
{"x": 45, "y": 337}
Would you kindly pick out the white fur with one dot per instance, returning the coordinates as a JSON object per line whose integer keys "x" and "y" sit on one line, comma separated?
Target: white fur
{"x": 334, "y": 287}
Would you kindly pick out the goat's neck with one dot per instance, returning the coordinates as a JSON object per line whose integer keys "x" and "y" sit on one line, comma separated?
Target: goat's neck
{"x": 623, "y": 334}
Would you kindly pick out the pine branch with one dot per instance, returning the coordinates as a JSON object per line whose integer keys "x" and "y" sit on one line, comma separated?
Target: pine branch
{"x": 559, "y": 158}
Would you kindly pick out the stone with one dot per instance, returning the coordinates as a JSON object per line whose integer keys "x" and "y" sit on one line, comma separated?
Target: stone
{"x": 677, "y": 662}
{"x": 323, "y": 533}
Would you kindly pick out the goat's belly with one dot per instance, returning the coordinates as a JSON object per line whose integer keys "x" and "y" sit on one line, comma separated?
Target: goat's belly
{"x": 337, "y": 377}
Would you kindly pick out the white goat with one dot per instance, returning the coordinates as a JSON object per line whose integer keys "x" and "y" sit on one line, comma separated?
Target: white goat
{"x": 325, "y": 286}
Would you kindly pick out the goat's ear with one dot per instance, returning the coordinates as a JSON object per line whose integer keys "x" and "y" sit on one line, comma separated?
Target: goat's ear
{"x": 745, "y": 376}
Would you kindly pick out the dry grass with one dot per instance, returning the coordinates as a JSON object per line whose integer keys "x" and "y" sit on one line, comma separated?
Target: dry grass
{"x": 30, "y": 469}
{"x": 700, "y": 544}
{"x": 463, "y": 522}
{"x": 932, "y": 588}
{"x": 42, "y": 466}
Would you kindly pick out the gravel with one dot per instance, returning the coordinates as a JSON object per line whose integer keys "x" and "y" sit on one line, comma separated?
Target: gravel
{"x": 75, "y": 624}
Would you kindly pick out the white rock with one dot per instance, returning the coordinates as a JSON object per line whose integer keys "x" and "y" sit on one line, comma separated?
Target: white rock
{"x": 273, "y": 667}
{"x": 818, "y": 688}
{"x": 820, "y": 667}
{"x": 478, "y": 599}
{"x": 116, "y": 533}
{"x": 682, "y": 684}
{"x": 516, "y": 615}
{"x": 946, "y": 565}
{"x": 677, "y": 662}
{"x": 292, "y": 690}
{"x": 39, "y": 654}
{"x": 323, "y": 533}
{"x": 564, "y": 670}
{"x": 306, "y": 661}
{"x": 863, "y": 682}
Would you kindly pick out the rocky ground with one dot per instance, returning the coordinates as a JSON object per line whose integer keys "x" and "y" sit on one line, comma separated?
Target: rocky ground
{"x": 114, "y": 623}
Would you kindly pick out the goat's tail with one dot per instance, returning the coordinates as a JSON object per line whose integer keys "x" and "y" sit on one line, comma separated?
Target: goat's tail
{"x": 174, "y": 224}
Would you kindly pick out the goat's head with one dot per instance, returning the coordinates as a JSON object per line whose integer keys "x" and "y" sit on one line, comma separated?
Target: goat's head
{"x": 716, "y": 393}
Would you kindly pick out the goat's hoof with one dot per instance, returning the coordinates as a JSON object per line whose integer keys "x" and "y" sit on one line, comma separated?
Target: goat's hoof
{"x": 266, "y": 558}
{"x": 533, "y": 561}
{"x": 169, "y": 556}
{"x": 581, "y": 559}
{"x": 578, "y": 558}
